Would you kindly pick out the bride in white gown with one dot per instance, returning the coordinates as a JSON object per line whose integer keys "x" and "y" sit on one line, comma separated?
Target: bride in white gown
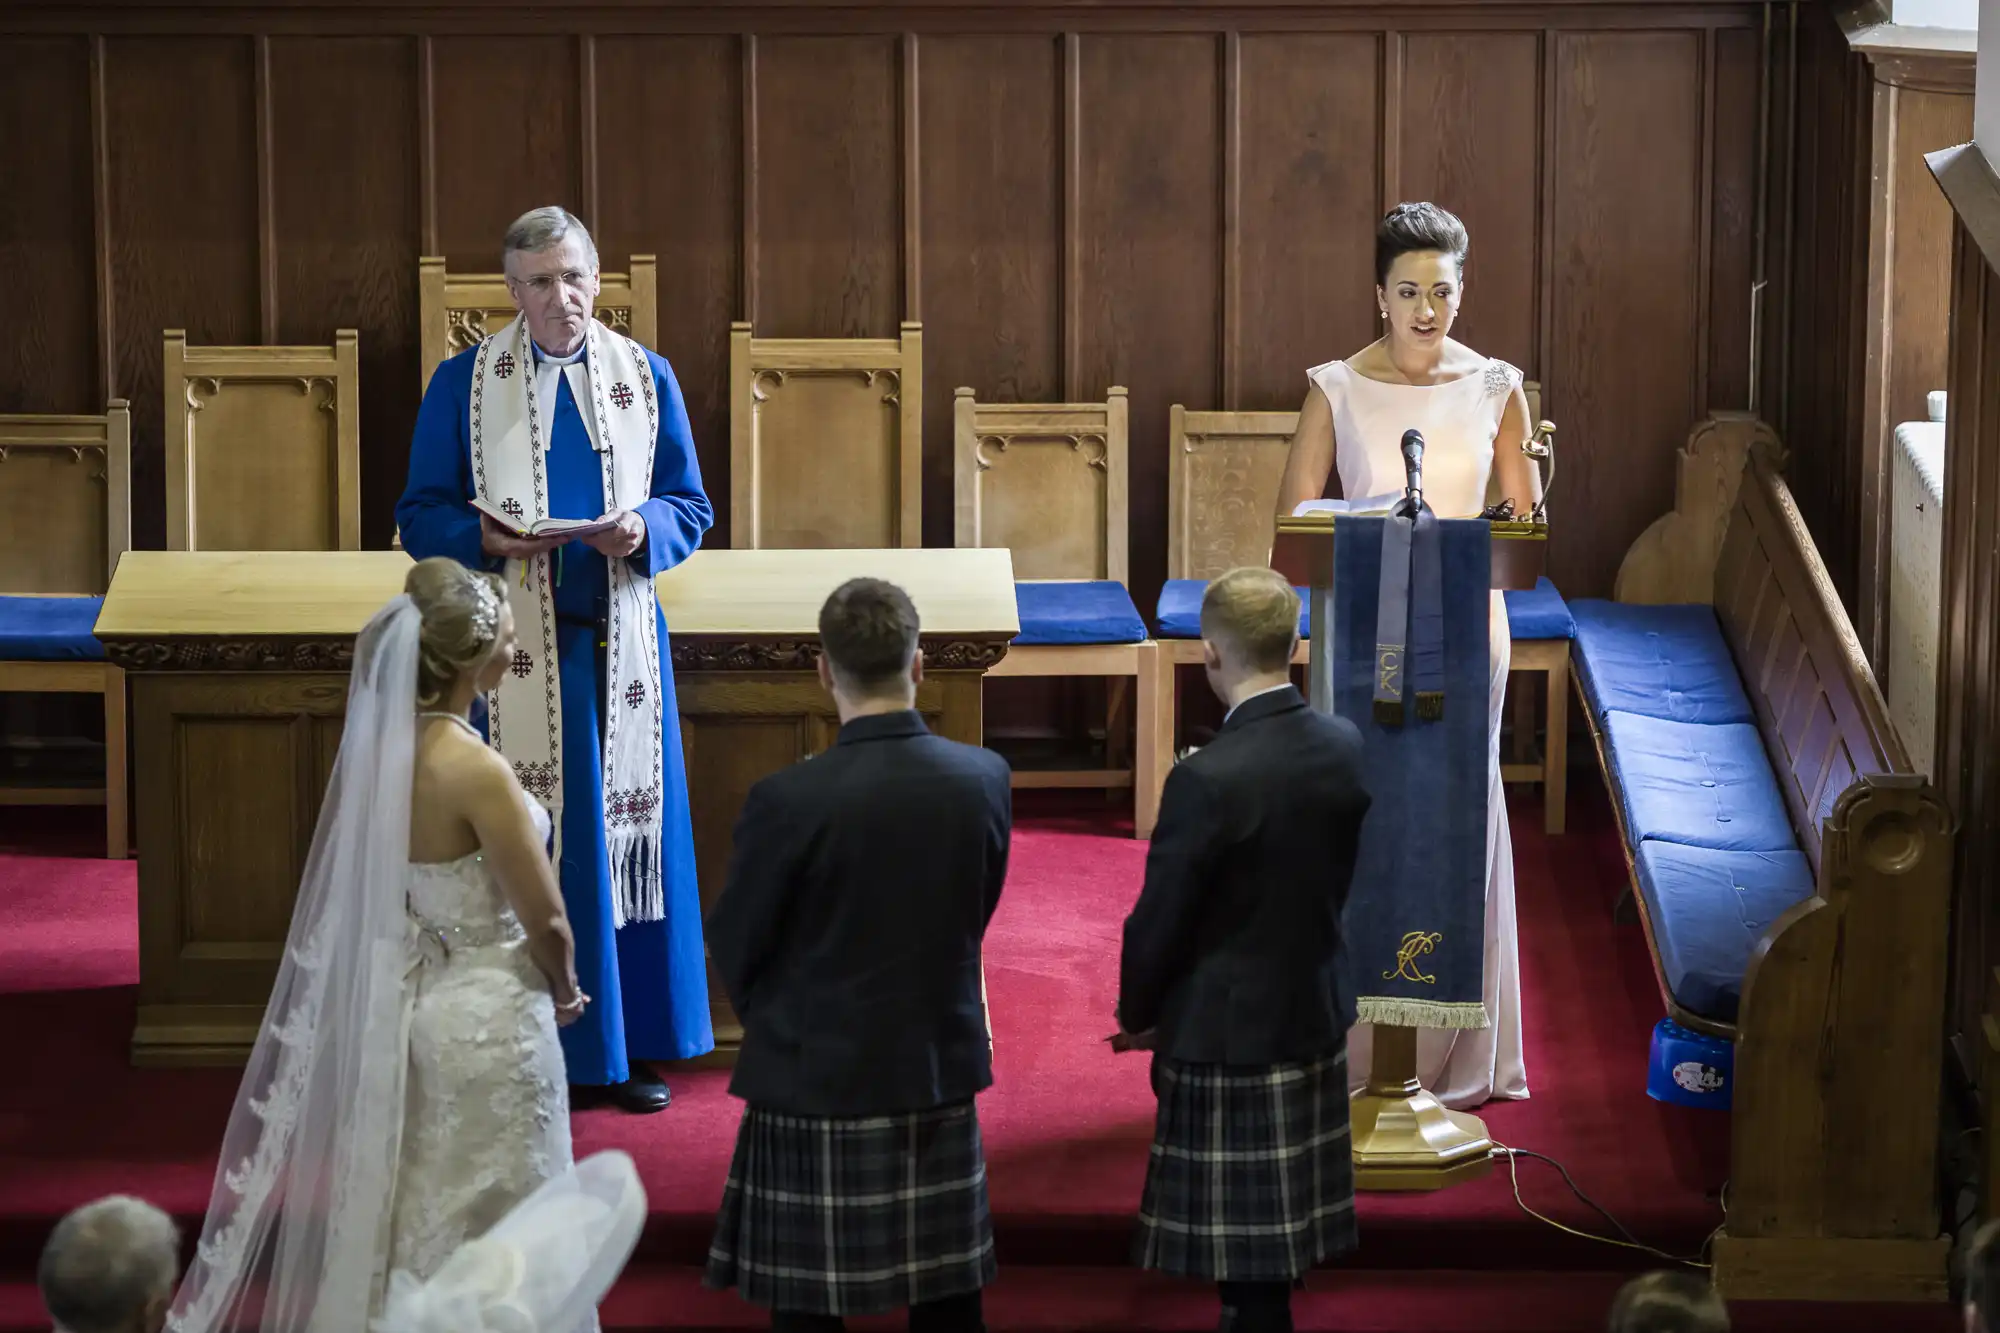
{"x": 1474, "y": 416}
{"x": 406, "y": 1090}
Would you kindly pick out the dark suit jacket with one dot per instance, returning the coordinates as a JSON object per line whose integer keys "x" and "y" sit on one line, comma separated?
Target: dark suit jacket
{"x": 848, "y": 934}
{"x": 1234, "y": 951}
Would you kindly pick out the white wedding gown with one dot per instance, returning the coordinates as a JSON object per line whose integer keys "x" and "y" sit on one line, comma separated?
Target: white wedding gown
{"x": 487, "y": 1109}
{"x": 1459, "y": 419}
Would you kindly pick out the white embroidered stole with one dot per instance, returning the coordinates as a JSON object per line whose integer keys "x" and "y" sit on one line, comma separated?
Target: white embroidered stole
{"x": 509, "y": 470}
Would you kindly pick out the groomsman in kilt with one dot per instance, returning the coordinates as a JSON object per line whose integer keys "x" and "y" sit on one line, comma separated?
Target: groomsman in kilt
{"x": 1234, "y": 974}
{"x": 849, "y": 936}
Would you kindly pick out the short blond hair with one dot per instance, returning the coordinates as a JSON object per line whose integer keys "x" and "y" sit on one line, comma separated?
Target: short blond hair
{"x": 1252, "y": 615}
{"x": 1668, "y": 1302}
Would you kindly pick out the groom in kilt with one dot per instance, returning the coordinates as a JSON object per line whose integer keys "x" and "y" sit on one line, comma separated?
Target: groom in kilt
{"x": 1235, "y": 975}
{"x": 849, "y": 936}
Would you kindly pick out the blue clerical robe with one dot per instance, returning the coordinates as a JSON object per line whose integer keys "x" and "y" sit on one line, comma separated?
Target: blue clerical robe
{"x": 648, "y": 983}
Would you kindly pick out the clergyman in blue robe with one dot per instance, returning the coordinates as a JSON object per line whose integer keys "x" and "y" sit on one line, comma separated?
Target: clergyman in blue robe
{"x": 647, "y": 980}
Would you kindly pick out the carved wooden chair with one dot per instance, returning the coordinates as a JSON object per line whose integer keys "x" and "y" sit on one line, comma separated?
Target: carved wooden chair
{"x": 1223, "y": 473}
{"x": 66, "y": 486}
{"x": 456, "y": 310}
{"x": 1048, "y": 481}
{"x": 263, "y": 446}
{"x": 826, "y": 441}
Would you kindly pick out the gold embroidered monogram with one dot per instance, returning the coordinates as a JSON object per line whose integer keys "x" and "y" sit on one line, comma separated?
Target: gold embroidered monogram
{"x": 1389, "y": 668}
{"x": 1415, "y": 944}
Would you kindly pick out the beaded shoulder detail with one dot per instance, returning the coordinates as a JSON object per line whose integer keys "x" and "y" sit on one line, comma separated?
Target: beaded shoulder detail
{"x": 1500, "y": 378}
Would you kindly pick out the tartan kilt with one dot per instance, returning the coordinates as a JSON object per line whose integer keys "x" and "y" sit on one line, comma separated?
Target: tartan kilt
{"x": 854, "y": 1216}
{"x": 1251, "y": 1177}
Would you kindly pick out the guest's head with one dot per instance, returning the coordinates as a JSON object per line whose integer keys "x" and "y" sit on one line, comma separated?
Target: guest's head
{"x": 1419, "y": 274}
{"x": 1668, "y": 1302}
{"x": 1982, "y": 1280}
{"x": 868, "y": 634}
{"x": 111, "y": 1267}
{"x": 551, "y": 267}
{"x": 467, "y": 642}
{"x": 1249, "y": 631}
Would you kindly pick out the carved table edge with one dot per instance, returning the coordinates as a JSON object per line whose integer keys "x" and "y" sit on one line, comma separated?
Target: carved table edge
{"x": 221, "y": 653}
{"x": 708, "y": 653}
{"x": 691, "y": 653}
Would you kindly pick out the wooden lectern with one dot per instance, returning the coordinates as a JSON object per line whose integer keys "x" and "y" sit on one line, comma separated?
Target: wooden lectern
{"x": 1404, "y": 1138}
{"x": 239, "y": 665}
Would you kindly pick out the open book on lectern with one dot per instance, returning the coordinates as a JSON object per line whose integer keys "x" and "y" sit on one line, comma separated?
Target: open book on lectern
{"x": 1373, "y": 504}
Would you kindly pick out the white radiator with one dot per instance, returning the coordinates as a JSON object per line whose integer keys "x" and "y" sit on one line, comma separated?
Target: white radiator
{"x": 1916, "y": 532}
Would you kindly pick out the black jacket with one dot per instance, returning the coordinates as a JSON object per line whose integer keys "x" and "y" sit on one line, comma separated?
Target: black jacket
{"x": 1234, "y": 952}
{"x": 848, "y": 934}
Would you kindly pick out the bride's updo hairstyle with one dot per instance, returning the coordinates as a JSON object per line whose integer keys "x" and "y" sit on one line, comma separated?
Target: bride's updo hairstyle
{"x": 1409, "y": 229}
{"x": 461, "y": 619}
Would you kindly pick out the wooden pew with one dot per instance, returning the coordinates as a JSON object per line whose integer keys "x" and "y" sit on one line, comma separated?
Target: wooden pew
{"x": 1839, "y": 1028}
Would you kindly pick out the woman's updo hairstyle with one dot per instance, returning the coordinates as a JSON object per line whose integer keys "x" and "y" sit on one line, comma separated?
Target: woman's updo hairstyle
{"x": 461, "y": 619}
{"x": 1409, "y": 229}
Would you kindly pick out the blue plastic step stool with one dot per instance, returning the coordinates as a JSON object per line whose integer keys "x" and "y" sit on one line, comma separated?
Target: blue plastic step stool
{"x": 1690, "y": 1069}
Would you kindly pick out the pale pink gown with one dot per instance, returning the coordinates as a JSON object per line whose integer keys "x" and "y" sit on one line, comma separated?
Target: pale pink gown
{"x": 1459, "y": 419}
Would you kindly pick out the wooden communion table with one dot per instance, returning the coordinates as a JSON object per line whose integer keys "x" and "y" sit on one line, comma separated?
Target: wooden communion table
{"x": 239, "y": 666}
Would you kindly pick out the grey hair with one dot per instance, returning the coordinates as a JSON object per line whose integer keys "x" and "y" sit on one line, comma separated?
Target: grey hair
{"x": 539, "y": 228}
{"x": 106, "y": 1262}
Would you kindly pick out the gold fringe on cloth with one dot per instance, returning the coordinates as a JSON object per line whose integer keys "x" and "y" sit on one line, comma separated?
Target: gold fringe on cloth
{"x": 1386, "y": 1011}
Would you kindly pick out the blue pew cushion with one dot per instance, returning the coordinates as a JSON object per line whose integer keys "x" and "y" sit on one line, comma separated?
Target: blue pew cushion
{"x": 1070, "y": 613}
{"x": 49, "y": 629}
{"x": 1178, "y": 615}
{"x": 1698, "y": 784}
{"x": 1708, "y": 909}
{"x": 1539, "y": 613}
{"x": 1667, "y": 662}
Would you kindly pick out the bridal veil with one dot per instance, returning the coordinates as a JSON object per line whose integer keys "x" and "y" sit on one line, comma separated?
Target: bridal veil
{"x": 296, "y": 1235}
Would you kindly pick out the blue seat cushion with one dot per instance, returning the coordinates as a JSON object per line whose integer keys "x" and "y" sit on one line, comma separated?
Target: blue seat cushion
{"x": 49, "y": 629}
{"x": 1178, "y": 615}
{"x": 1667, "y": 662}
{"x": 1540, "y": 613}
{"x": 1093, "y": 612}
{"x": 1698, "y": 784}
{"x": 1708, "y": 910}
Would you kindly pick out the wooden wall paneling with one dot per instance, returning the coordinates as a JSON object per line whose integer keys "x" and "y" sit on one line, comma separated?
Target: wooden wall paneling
{"x": 1626, "y": 281}
{"x": 1471, "y": 143}
{"x": 1823, "y": 304}
{"x": 829, "y": 184}
{"x": 505, "y": 113}
{"x": 182, "y": 222}
{"x": 1735, "y": 95}
{"x": 1919, "y": 246}
{"x": 1311, "y": 126}
{"x": 820, "y": 175}
{"x": 345, "y": 150}
{"x": 1906, "y": 330}
{"x": 670, "y": 142}
{"x": 49, "y": 362}
{"x": 990, "y": 195}
{"x": 1149, "y": 238}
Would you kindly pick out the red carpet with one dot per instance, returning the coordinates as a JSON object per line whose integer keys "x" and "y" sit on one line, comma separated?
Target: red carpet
{"x": 1066, "y": 1124}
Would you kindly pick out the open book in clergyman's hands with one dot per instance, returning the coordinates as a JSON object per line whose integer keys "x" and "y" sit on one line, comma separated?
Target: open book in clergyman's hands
{"x": 576, "y": 528}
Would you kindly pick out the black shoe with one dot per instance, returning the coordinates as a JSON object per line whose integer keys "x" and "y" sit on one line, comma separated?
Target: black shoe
{"x": 643, "y": 1093}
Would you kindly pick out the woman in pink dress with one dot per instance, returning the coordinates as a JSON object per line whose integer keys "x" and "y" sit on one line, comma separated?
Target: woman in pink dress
{"x": 1474, "y": 417}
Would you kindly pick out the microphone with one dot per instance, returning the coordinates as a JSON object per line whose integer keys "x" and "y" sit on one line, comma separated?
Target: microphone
{"x": 1413, "y": 467}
